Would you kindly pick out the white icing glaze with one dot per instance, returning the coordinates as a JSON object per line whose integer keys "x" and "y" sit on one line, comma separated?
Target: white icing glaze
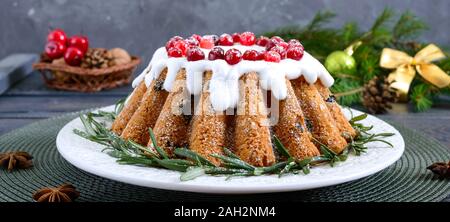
{"x": 223, "y": 87}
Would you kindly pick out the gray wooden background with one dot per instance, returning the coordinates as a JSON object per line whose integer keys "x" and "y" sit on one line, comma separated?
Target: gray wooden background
{"x": 140, "y": 26}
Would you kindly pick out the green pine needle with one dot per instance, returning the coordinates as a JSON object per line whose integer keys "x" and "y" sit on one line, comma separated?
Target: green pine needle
{"x": 421, "y": 97}
{"x": 408, "y": 26}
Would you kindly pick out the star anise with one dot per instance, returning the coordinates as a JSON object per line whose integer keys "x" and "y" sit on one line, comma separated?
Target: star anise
{"x": 63, "y": 193}
{"x": 17, "y": 159}
{"x": 441, "y": 169}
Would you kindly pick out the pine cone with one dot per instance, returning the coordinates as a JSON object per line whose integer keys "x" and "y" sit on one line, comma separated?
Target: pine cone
{"x": 378, "y": 95}
{"x": 96, "y": 58}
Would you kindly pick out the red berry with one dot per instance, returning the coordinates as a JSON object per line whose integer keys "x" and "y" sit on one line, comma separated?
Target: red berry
{"x": 251, "y": 55}
{"x": 272, "y": 56}
{"x": 57, "y": 35}
{"x": 294, "y": 43}
{"x": 73, "y": 56}
{"x": 262, "y": 41}
{"x": 216, "y": 53}
{"x": 207, "y": 43}
{"x": 174, "y": 52}
{"x": 271, "y": 44}
{"x": 247, "y": 38}
{"x": 277, "y": 39}
{"x": 261, "y": 55}
{"x": 236, "y": 38}
{"x": 213, "y": 38}
{"x": 226, "y": 40}
{"x": 284, "y": 45}
{"x": 176, "y": 38}
{"x": 192, "y": 42}
{"x": 280, "y": 50}
{"x": 55, "y": 50}
{"x": 195, "y": 54}
{"x": 79, "y": 42}
{"x": 181, "y": 45}
{"x": 295, "y": 53}
{"x": 171, "y": 41}
{"x": 197, "y": 37}
{"x": 233, "y": 56}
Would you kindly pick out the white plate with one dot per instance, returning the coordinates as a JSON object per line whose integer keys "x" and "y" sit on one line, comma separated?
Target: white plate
{"x": 87, "y": 156}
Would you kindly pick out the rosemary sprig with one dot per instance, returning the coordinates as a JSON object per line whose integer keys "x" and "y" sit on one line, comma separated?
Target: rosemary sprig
{"x": 193, "y": 165}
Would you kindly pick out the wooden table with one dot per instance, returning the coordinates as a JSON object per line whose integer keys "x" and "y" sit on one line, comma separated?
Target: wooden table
{"x": 30, "y": 100}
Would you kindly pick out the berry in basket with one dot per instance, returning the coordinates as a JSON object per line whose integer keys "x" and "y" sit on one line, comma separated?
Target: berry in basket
{"x": 69, "y": 63}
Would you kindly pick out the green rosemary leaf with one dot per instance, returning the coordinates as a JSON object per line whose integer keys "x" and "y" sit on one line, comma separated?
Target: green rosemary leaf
{"x": 103, "y": 114}
{"x": 358, "y": 149}
{"x": 304, "y": 162}
{"x": 275, "y": 167}
{"x": 306, "y": 169}
{"x": 287, "y": 168}
{"x": 258, "y": 171}
{"x": 383, "y": 141}
{"x": 158, "y": 149}
{"x": 81, "y": 133}
{"x": 87, "y": 125}
{"x": 358, "y": 118}
{"x": 280, "y": 148}
{"x": 234, "y": 161}
{"x": 318, "y": 159}
{"x": 136, "y": 161}
{"x": 384, "y": 134}
{"x": 326, "y": 150}
{"x": 229, "y": 153}
{"x": 174, "y": 164}
{"x": 119, "y": 106}
{"x": 329, "y": 154}
{"x": 222, "y": 170}
{"x": 192, "y": 173}
{"x": 115, "y": 153}
{"x": 183, "y": 152}
{"x": 143, "y": 148}
{"x": 344, "y": 155}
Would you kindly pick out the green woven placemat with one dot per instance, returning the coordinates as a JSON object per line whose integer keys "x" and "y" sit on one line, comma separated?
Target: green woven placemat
{"x": 406, "y": 180}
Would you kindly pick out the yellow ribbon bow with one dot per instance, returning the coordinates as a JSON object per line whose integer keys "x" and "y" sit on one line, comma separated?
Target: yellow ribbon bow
{"x": 404, "y": 68}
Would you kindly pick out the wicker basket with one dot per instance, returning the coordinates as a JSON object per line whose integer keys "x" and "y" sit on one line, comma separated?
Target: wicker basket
{"x": 72, "y": 78}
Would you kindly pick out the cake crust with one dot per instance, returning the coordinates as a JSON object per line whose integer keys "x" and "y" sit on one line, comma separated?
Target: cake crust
{"x": 130, "y": 107}
{"x": 208, "y": 135}
{"x": 252, "y": 136}
{"x": 148, "y": 112}
{"x": 291, "y": 128}
{"x": 316, "y": 111}
{"x": 342, "y": 123}
{"x": 172, "y": 127}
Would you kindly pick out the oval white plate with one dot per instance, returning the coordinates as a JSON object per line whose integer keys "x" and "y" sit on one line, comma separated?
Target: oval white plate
{"x": 87, "y": 156}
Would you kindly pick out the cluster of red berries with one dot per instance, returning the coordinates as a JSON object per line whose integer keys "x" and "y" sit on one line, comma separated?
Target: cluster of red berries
{"x": 72, "y": 49}
{"x": 276, "y": 48}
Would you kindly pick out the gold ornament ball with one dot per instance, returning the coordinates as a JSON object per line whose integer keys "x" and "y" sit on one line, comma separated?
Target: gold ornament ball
{"x": 340, "y": 62}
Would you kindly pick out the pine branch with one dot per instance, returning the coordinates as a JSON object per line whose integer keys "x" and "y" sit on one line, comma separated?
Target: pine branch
{"x": 408, "y": 26}
{"x": 383, "y": 19}
{"x": 344, "y": 85}
{"x": 379, "y": 32}
{"x": 421, "y": 97}
{"x": 319, "y": 20}
{"x": 350, "y": 32}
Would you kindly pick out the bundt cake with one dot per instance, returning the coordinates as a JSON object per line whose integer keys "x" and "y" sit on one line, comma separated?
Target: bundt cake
{"x": 235, "y": 91}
